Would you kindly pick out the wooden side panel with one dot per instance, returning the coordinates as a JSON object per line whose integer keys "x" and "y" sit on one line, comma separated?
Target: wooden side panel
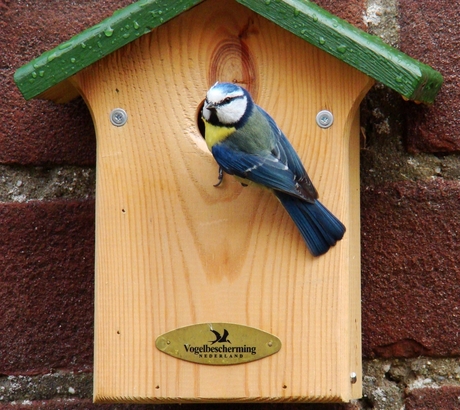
{"x": 172, "y": 250}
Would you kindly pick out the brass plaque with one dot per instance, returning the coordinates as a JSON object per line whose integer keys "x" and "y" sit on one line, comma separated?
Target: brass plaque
{"x": 218, "y": 343}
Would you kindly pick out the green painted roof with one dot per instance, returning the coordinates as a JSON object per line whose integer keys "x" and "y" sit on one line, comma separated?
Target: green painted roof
{"x": 409, "y": 77}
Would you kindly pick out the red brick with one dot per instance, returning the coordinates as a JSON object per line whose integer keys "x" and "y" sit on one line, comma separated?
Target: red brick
{"x": 74, "y": 404}
{"x": 40, "y": 132}
{"x": 29, "y": 29}
{"x": 445, "y": 398}
{"x": 429, "y": 32}
{"x": 411, "y": 269}
{"x": 43, "y": 133}
{"x": 46, "y": 286}
{"x": 352, "y": 11}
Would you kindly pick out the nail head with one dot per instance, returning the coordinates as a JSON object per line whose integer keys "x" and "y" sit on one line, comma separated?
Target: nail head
{"x": 353, "y": 377}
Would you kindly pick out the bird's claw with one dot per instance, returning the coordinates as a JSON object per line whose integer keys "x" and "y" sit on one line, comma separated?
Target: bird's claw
{"x": 220, "y": 177}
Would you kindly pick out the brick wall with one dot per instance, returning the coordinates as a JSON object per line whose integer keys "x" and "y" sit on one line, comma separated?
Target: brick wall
{"x": 410, "y": 218}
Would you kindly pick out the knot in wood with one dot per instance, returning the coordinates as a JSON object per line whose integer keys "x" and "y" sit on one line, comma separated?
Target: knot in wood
{"x": 232, "y": 61}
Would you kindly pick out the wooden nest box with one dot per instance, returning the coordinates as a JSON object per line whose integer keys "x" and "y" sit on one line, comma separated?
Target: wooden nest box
{"x": 180, "y": 264}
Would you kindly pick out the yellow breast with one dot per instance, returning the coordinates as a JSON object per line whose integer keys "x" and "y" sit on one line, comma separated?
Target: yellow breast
{"x": 215, "y": 134}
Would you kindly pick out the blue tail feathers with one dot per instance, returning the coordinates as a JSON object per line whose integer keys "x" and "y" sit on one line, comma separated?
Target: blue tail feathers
{"x": 318, "y": 226}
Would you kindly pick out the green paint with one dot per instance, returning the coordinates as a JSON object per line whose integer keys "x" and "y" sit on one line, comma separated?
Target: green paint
{"x": 369, "y": 54}
{"x": 409, "y": 77}
{"x": 91, "y": 45}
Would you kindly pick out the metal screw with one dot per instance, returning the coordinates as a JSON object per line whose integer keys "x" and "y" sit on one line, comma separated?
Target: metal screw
{"x": 324, "y": 119}
{"x": 353, "y": 377}
{"x": 118, "y": 117}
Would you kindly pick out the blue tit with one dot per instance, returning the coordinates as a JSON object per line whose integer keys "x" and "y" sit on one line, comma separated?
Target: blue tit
{"x": 246, "y": 142}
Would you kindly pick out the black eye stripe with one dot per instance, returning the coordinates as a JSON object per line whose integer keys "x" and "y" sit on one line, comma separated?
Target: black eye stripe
{"x": 228, "y": 100}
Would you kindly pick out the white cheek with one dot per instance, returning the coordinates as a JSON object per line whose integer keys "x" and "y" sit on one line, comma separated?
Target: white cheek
{"x": 233, "y": 112}
{"x": 206, "y": 113}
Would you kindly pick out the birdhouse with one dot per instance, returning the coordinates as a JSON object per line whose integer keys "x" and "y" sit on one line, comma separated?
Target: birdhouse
{"x": 204, "y": 293}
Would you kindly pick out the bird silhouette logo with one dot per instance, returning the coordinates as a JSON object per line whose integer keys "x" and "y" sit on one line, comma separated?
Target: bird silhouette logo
{"x": 220, "y": 338}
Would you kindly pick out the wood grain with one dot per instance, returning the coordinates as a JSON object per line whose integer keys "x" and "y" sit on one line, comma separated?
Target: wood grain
{"x": 172, "y": 250}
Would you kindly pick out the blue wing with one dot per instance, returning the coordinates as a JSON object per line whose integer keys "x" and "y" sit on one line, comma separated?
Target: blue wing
{"x": 268, "y": 159}
{"x": 276, "y": 166}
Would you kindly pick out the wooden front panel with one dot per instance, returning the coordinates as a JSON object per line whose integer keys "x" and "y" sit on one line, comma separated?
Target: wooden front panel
{"x": 172, "y": 250}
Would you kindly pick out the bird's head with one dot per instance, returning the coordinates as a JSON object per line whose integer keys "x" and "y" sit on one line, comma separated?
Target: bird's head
{"x": 227, "y": 104}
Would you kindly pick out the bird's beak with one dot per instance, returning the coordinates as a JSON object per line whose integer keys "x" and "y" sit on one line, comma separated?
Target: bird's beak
{"x": 209, "y": 106}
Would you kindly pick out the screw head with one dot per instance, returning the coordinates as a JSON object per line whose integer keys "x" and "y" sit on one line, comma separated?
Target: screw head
{"x": 118, "y": 117}
{"x": 324, "y": 119}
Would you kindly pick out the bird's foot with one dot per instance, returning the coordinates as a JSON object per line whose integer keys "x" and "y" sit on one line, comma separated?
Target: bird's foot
{"x": 220, "y": 177}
